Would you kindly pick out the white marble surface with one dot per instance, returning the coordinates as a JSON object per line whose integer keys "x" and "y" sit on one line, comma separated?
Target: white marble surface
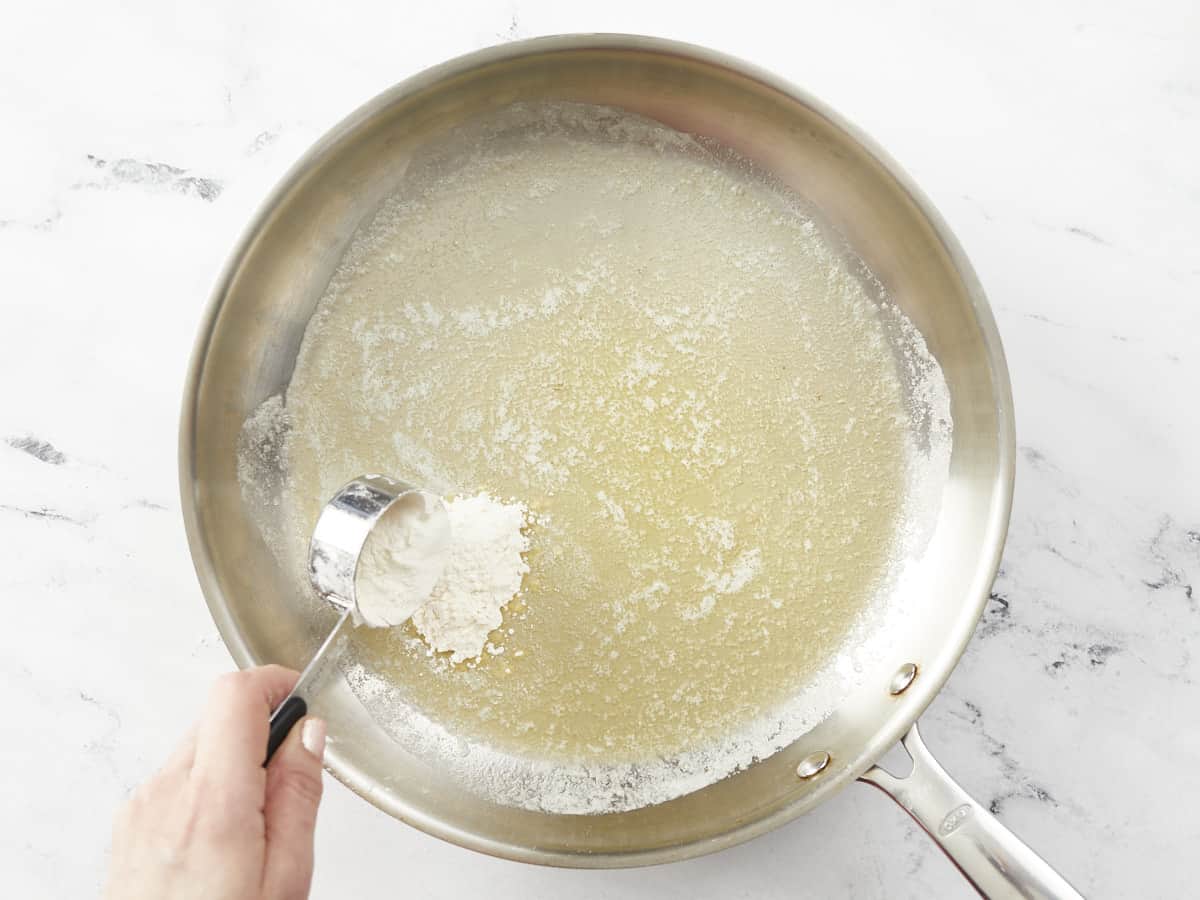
{"x": 1060, "y": 140}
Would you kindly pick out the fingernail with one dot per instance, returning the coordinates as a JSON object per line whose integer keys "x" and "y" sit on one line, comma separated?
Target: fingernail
{"x": 312, "y": 736}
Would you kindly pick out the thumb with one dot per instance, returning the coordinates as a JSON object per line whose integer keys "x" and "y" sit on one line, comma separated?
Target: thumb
{"x": 293, "y": 794}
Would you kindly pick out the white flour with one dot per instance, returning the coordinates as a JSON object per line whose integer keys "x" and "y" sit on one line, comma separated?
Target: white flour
{"x": 402, "y": 561}
{"x": 453, "y": 569}
{"x": 484, "y": 568}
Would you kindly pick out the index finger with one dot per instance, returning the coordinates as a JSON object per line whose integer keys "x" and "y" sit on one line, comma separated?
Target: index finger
{"x": 232, "y": 737}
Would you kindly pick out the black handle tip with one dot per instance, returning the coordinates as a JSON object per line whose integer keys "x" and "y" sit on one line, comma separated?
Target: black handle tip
{"x": 291, "y": 711}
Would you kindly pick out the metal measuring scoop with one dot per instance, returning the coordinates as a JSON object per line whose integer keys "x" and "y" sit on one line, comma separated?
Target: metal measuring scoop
{"x": 333, "y": 555}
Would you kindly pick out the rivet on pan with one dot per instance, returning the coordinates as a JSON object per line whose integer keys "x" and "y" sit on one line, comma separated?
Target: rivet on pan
{"x": 903, "y": 678}
{"x": 812, "y": 764}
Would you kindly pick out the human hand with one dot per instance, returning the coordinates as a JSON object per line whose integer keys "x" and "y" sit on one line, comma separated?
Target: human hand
{"x": 213, "y": 823}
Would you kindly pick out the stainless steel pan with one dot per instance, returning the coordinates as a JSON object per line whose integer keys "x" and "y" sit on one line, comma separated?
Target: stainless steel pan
{"x": 247, "y": 347}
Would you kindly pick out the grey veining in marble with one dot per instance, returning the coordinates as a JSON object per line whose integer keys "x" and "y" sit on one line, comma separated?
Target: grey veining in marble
{"x": 1060, "y": 142}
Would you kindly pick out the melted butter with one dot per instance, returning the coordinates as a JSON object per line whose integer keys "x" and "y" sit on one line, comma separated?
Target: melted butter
{"x": 672, "y": 368}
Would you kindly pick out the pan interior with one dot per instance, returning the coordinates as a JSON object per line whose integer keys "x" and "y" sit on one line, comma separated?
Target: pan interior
{"x": 730, "y": 440}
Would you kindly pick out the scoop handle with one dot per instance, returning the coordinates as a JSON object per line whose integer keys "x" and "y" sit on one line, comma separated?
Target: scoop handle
{"x": 288, "y": 713}
{"x": 295, "y": 706}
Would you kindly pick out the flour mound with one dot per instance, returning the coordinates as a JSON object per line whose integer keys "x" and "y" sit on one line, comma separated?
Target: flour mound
{"x": 483, "y": 571}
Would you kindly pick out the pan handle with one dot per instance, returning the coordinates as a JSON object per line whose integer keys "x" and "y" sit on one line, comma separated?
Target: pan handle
{"x": 996, "y": 862}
